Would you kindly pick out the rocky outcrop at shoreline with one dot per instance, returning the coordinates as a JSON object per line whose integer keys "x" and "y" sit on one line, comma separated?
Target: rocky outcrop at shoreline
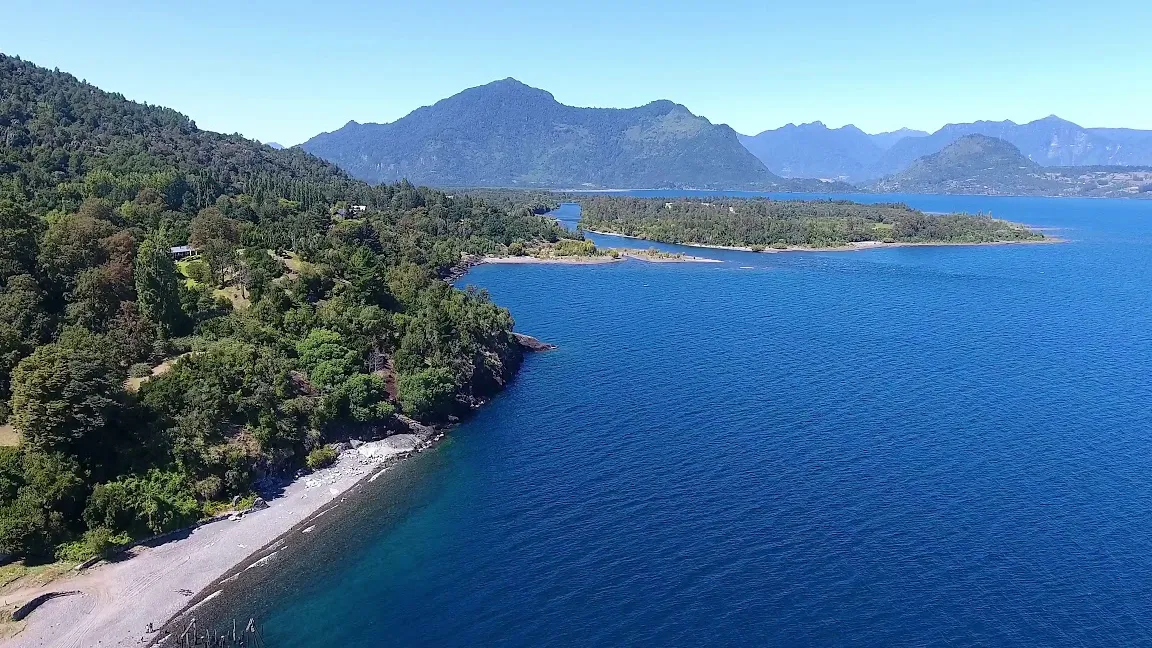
{"x": 466, "y": 263}
{"x": 530, "y": 343}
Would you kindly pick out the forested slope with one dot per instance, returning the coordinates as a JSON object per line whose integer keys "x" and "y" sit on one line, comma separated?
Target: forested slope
{"x": 507, "y": 134}
{"x": 301, "y": 320}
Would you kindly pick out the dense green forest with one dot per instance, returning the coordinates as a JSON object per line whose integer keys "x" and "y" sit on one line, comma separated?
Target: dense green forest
{"x": 535, "y": 200}
{"x": 140, "y": 392}
{"x": 764, "y": 223}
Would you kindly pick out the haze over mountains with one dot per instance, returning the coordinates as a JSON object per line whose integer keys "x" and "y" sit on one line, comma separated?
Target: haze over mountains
{"x": 814, "y": 150}
{"x": 886, "y": 140}
{"x": 808, "y": 150}
{"x": 971, "y": 164}
{"x": 978, "y": 164}
{"x": 508, "y": 134}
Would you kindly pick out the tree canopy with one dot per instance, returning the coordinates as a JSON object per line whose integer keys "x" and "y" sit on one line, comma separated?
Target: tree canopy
{"x": 763, "y": 223}
{"x": 283, "y": 333}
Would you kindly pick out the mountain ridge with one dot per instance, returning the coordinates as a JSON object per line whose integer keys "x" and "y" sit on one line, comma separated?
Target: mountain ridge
{"x": 971, "y": 162}
{"x": 979, "y": 164}
{"x": 814, "y": 150}
{"x": 507, "y": 133}
{"x": 1050, "y": 141}
{"x": 885, "y": 140}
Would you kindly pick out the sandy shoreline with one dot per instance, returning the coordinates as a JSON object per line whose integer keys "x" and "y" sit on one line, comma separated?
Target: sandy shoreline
{"x": 119, "y": 602}
{"x": 129, "y": 601}
{"x": 851, "y": 247}
{"x": 874, "y": 245}
{"x": 674, "y": 259}
{"x": 530, "y": 260}
{"x": 595, "y": 260}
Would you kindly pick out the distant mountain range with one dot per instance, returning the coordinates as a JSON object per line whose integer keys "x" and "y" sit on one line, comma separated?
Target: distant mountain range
{"x": 971, "y": 164}
{"x": 978, "y": 164}
{"x": 507, "y": 134}
{"x": 814, "y": 150}
{"x": 886, "y": 140}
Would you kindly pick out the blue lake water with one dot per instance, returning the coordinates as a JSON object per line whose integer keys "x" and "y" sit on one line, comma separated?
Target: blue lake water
{"x": 905, "y": 446}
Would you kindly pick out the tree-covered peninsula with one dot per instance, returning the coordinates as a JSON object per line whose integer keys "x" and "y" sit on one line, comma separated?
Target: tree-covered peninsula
{"x": 183, "y": 312}
{"x": 783, "y": 224}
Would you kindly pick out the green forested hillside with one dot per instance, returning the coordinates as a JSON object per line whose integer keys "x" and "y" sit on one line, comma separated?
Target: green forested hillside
{"x": 507, "y": 134}
{"x": 976, "y": 164}
{"x": 781, "y": 224}
{"x": 311, "y": 312}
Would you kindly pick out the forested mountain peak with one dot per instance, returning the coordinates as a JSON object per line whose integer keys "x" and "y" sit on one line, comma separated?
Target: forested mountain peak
{"x": 509, "y": 90}
{"x": 507, "y": 133}
{"x": 1050, "y": 141}
{"x": 978, "y": 164}
{"x": 979, "y": 150}
{"x": 972, "y": 164}
{"x": 54, "y": 128}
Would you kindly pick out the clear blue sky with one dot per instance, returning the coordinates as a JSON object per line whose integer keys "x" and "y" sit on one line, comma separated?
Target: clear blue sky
{"x": 284, "y": 71}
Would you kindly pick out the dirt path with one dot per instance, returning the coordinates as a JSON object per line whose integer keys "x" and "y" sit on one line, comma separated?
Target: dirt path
{"x": 133, "y": 384}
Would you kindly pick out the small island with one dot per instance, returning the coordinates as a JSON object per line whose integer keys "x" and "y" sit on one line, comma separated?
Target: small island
{"x": 781, "y": 225}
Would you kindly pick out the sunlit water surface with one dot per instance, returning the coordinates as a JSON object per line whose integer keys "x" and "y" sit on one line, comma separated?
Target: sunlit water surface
{"x": 910, "y": 446}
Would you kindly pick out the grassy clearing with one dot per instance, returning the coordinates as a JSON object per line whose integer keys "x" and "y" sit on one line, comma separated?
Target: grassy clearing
{"x": 218, "y": 507}
{"x": 235, "y": 295}
{"x": 8, "y": 627}
{"x": 183, "y": 266}
{"x": 133, "y": 384}
{"x": 17, "y": 575}
{"x": 291, "y": 261}
{"x": 195, "y": 273}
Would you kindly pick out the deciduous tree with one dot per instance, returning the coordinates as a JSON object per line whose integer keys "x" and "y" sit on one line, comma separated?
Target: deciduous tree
{"x": 66, "y": 393}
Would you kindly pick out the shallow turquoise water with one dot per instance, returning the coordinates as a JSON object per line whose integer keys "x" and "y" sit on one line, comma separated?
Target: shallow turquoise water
{"x": 908, "y": 446}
